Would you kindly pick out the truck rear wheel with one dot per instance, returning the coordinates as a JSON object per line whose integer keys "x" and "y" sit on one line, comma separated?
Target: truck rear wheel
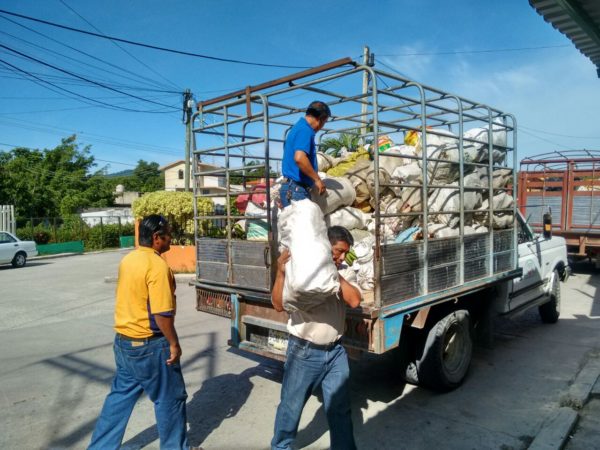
{"x": 447, "y": 353}
{"x": 550, "y": 311}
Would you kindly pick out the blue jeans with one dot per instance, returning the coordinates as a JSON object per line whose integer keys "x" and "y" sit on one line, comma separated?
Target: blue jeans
{"x": 305, "y": 369}
{"x": 142, "y": 367}
{"x": 291, "y": 190}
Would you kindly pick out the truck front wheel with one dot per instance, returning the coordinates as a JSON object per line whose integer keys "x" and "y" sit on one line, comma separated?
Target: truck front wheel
{"x": 447, "y": 352}
{"x": 550, "y": 311}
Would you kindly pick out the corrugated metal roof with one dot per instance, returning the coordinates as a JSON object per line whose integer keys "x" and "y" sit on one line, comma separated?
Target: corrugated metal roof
{"x": 579, "y": 20}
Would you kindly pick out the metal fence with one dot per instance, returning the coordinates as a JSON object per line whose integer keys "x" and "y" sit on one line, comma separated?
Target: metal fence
{"x": 7, "y": 218}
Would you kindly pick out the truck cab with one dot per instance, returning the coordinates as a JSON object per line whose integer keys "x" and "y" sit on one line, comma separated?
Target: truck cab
{"x": 543, "y": 259}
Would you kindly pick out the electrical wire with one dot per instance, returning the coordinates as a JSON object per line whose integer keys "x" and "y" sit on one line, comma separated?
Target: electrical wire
{"x": 153, "y": 47}
{"x": 121, "y": 48}
{"x": 83, "y": 78}
{"x": 466, "y": 52}
{"x": 89, "y": 55}
{"x": 48, "y": 50}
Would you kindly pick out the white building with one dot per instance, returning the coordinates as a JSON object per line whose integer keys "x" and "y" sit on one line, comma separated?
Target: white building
{"x": 213, "y": 186}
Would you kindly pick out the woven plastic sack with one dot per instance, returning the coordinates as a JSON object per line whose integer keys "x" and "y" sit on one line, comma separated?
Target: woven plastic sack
{"x": 348, "y": 217}
{"x": 340, "y": 192}
{"x": 256, "y": 229}
{"x": 326, "y": 162}
{"x": 392, "y": 158}
{"x": 310, "y": 274}
{"x": 348, "y": 162}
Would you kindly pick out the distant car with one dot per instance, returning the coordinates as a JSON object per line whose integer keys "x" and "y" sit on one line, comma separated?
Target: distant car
{"x": 15, "y": 251}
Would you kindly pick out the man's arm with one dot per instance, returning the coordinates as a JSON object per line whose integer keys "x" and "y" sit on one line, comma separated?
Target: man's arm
{"x": 350, "y": 294}
{"x": 307, "y": 169}
{"x": 277, "y": 293}
{"x": 166, "y": 324}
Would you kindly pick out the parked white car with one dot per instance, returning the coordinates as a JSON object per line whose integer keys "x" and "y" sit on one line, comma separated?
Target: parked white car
{"x": 15, "y": 251}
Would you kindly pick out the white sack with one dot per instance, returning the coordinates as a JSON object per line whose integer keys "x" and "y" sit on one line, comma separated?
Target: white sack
{"x": 340, "y": 192}
{"x": 384, "y": 178}
{"x": 408, "y": 174}
{"x": 500, "y": 177}
{"x": 310, "y": 274}
{"x": 481, "y": 135}
{"x": 348, "y": 217}
{"x": 364, "y": 260}
{"x": 389, "y": 161}
{"x": 326, "y": 162}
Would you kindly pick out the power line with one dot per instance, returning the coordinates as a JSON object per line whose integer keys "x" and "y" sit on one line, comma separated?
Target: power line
{"x": 153, "y": 47}
{"x": 121, "y": 48}
{"x": 48, "y": 50}
{"x": 559, "y": 135}
{"x": 89, "y": 55}
{"x": 466, "y": 52}
{"x": 83, "y": 78}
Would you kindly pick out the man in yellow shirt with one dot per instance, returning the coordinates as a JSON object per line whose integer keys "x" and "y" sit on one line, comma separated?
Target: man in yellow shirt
{"x": 146, "y": 346}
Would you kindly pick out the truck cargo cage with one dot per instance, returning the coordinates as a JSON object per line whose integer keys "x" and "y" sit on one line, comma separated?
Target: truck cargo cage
{"x": 565, "y": 183}
{"x": 239, "y": 140}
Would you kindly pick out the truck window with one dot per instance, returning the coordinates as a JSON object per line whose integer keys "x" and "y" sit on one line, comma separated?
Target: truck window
{"x": 523, "y": 232}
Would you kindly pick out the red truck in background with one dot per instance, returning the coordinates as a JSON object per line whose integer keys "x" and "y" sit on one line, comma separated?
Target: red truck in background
{"x": 566, "y": 184}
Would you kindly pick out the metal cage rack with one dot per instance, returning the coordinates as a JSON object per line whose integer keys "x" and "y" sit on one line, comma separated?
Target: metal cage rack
{"x": 242, "y": 134}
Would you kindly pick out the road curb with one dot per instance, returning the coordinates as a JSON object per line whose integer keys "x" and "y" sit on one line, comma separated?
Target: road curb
{"x": 581, "y": 389}
{"x": 65, "y": 255}
{"x": 555, "y": 430}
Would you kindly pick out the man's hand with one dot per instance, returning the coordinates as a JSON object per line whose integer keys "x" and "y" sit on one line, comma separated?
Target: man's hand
{"x": 320, "y": 186}
{"x": 284, "y": 257}
{"x": 175, "y": 354}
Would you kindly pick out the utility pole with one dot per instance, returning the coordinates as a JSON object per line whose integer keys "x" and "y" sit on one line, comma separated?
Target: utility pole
{"x": 365, "y": 88}
{"x": 187, "y": 119}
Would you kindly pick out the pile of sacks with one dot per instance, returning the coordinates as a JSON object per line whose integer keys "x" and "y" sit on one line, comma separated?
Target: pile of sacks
{"x": 350, "y": 182}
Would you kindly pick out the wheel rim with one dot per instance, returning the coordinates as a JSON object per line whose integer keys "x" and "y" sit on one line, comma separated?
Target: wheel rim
{"x": 454, "y": 343}
{"x": 20, "y": 260}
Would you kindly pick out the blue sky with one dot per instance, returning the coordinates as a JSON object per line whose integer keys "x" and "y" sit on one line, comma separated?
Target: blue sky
{"x": 475, "y": 49}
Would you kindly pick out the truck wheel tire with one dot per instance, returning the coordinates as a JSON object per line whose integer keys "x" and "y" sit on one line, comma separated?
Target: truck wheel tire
{"x": 550, "y": 311}
{"x": 19, "y": 260}
{"x": 447, "y": 353}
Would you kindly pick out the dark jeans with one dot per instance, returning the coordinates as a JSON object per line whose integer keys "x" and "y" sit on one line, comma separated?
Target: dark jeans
{"x": 291, "y": 190}
{"x": 305, "y": 369}
{"x": 142, "y": 367}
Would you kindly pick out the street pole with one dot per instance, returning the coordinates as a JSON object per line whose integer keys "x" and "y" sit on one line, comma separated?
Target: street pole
{"x": 187, "y": 117}
{"x": 365, "y": 88}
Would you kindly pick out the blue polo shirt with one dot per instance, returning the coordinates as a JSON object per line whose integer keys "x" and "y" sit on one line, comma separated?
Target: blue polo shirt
{"x": 301, "y": 137}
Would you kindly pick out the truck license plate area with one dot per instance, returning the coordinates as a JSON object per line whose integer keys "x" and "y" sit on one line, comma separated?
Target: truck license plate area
{"x": 213, "y": 302}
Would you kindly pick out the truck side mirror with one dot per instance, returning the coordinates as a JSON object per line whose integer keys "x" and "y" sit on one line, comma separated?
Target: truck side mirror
{"x": 547, "y": 223}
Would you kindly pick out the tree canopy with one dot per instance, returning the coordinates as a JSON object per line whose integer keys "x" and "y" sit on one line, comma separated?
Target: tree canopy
{"x": 64, "y": 180}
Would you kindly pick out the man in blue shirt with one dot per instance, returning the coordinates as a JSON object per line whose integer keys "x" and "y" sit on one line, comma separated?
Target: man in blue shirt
{"x": 299, "y": 166}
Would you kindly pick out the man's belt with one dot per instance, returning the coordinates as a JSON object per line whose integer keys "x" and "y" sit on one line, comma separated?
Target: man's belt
{"x": 146, "y": 339}
{"x": 310, "y": 344}
{"x": 289, "y": 180}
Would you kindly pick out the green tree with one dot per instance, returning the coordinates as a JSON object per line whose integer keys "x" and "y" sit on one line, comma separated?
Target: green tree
{"x": 145, "y": 178}
{"x": 52, "y": 182}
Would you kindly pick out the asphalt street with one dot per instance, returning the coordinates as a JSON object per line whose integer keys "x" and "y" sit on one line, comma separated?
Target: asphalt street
{"x": 57, "y": 365}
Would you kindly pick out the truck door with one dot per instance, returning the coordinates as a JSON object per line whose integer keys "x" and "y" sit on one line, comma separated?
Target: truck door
{"x": 530, "y": 285}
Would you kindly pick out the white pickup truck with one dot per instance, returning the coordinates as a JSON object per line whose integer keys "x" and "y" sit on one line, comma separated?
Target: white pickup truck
{"x": 15, "y": 251}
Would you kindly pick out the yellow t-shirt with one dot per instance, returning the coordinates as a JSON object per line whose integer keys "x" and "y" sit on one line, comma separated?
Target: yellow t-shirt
{"x": 146, "y": 286}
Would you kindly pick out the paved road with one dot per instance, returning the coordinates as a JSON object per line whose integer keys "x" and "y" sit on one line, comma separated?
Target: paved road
{"x": 57, "y": 366}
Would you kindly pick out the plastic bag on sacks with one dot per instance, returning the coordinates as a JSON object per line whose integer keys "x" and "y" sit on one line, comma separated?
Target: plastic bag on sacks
{"x": 348, "y": 217}
{"x": 310, "y": 274}
{"x": 256, "y": 229}
{"x": 340, "y": 192}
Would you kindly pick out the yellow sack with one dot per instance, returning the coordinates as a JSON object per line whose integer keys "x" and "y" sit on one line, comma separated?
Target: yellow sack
{"x": 349, "y": 162}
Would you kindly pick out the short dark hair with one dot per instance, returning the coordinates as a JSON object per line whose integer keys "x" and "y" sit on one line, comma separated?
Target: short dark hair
{"x": 149, "y": 225}
{"x": 318, "y": 110}
{"x": 338, "y": 233}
